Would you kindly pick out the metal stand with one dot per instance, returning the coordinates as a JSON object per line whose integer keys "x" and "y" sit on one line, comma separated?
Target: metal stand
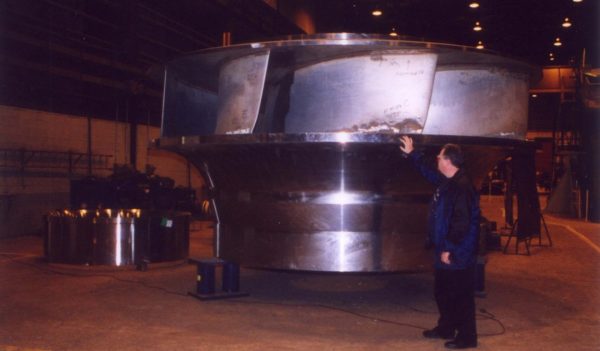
{"x": 518, "y": 240}
{"x": 205, "y": 279}
{"x": 527, "y": 239}
{"x": 547, "y": 233}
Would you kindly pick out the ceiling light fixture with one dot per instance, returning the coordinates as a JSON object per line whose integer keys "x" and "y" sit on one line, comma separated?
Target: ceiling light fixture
{"x": 557, "y": 42}
{"x": 377, "y": 12}
{"x": 577, "y": 0}
{"x": 566, "y": 23}
{"x": 551, "y": 58}
{"x": 474, "y": 4}
{"x": 393, "y": 33}
{"x": 480, "y": 45}
{"x": 477, "y": 27}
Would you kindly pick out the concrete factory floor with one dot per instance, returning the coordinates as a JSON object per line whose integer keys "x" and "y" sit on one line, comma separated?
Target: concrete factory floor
{"x": 547, "y": 301}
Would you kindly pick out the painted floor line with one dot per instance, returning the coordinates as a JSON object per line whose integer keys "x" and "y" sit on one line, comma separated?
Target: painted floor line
{"x": 580, "y": 235}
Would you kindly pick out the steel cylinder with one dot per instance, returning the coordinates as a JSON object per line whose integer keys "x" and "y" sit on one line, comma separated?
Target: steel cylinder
{"x": 298, "y": 141}
{"x": 116, "y": 237}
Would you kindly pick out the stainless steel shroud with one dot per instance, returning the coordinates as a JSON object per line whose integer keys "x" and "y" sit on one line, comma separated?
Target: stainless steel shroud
{"x": 116, "y": 237}
{"x": 298, "y": 140}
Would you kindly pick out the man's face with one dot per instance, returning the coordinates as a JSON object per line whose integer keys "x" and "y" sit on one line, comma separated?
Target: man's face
{"x": 442, "y": 162}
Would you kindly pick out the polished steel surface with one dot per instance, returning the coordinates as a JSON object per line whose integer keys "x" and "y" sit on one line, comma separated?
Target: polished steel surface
{"x": 298, "y": 142}
{"x": 116, "y": 237}
{"x": 342, "y": 202}
{"x": 241, "y": 83}
{"x": 478, "y": 101}
{"x": 397, "y": 86}
{"x": 346, "y": 82}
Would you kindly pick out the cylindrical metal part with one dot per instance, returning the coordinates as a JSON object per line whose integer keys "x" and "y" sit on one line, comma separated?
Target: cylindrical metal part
{"x": 116, "y": 237}
{"x": 298, "y": 140}
{"x": 68, "y": 239}
{"x": 310, "y": 203}
{"x": 114, "y": 241}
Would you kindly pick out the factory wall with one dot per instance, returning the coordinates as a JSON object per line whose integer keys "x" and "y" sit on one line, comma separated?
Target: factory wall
{"x": 38, "y": 183}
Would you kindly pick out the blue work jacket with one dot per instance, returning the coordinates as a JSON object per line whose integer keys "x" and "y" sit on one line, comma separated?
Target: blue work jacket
{"x": 454, "y": 216}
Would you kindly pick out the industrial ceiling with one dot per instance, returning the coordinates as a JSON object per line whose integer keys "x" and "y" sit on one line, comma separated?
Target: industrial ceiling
{"x": 104, "y": 58}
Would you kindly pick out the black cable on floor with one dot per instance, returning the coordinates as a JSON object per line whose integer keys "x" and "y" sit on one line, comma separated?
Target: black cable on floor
{"x": 483, "y": 315}
{"x": 488, "y": 315}
{"x": 338, "y": 309}
{"x": 91, "y": 274}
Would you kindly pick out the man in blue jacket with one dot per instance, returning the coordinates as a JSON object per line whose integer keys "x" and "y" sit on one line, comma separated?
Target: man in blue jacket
{"x": 454, "y": 232}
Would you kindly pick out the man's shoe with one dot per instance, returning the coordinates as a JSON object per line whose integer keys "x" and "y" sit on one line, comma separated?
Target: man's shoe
{"x": 458, "y": 344}
{"x": 436, "y": 334}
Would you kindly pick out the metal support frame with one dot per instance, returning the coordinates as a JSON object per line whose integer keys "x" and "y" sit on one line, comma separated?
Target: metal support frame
{"x": 24, "y": 159}
{"x": 527, "y": 239}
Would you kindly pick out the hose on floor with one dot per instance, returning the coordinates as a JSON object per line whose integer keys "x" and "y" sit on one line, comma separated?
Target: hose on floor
{"x": 483, "y": 314}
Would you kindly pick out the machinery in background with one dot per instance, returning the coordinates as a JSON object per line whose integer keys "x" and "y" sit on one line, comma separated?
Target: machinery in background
{"x": 127, "y": 218}
{"x": 574, "y": 93}
{"x": 127, "y": 188}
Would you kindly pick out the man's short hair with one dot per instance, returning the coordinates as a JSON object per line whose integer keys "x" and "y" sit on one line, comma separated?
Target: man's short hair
{"x": 454, "y": 154}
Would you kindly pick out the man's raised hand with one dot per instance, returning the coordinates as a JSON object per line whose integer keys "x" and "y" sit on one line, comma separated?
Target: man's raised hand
{"x": 406, "y": 144}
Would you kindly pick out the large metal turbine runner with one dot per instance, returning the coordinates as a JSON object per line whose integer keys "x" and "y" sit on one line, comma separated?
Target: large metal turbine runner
{"x": 298, "y": 139}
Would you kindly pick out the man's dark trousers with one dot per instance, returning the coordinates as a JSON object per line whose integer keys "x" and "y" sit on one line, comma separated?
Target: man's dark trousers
{"x": 455, "y": 296}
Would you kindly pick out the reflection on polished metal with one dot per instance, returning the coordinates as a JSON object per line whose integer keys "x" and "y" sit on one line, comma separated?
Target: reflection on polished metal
{"x": 298, "y": 140}
{"x": 116, "y": 237}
